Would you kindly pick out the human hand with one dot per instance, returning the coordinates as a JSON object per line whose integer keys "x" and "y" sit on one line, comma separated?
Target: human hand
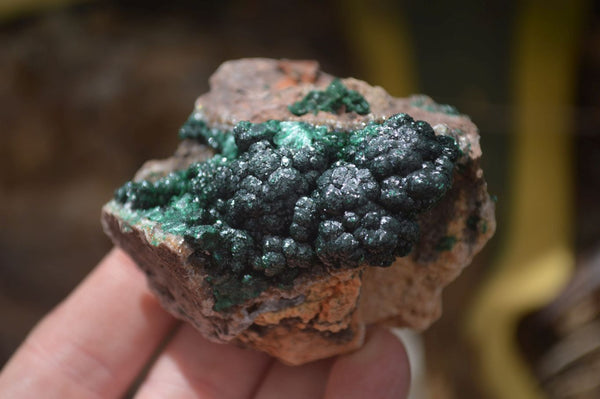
{"x": 111, "y": 328}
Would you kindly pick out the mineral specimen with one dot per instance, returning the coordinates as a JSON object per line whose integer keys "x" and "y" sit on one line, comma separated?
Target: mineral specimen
{"x": 300, "y": 208}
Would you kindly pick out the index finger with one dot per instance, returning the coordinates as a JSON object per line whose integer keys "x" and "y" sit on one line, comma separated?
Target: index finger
{"x": 379, "y": 369}
{"x": 95, "y": 342}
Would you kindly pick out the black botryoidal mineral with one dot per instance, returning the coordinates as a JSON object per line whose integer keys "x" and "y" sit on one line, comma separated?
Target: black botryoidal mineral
{"x": 279, "y": 198}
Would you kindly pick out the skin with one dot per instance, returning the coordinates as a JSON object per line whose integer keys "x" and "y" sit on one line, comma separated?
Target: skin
{"x": 110, "y": 330}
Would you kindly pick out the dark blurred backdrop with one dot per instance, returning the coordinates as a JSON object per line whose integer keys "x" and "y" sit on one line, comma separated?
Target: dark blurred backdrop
{"x": 89, "y": 90}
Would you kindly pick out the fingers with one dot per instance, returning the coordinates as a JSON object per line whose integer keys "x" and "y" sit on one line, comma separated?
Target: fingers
{"x": 193, "y": 367}
{"x": 93, "y": 344}
{"x": 295, "y": 382}
{"x": 96, "y": 342}
{"x": 378, "y": 370}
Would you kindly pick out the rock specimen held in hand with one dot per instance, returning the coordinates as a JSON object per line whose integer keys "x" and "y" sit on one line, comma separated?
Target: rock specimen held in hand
{"x": 300, "y": 208}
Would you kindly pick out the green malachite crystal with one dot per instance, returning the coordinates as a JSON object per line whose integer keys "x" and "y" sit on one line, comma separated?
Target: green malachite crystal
{"x": 335, "y": 98}
{"x": 280, "y": 198}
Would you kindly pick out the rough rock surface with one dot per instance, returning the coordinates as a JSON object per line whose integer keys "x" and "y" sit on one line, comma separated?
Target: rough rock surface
{"x": 325, "y": 313}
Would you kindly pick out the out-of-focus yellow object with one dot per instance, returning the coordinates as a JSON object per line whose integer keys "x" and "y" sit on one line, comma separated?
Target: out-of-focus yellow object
{"x": 537, "y": 257}
{"x": 15, "y": 8}
{"x": 381, "y": 35}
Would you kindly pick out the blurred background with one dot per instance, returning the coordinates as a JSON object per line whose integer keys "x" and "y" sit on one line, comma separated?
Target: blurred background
{"x": 89, "y": 90}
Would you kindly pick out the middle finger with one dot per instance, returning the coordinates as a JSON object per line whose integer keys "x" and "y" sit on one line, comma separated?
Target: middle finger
{"x": 191, "y": 367}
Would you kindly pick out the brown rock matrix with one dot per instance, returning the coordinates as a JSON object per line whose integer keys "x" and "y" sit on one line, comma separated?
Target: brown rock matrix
{"x": 325, "y": 312}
